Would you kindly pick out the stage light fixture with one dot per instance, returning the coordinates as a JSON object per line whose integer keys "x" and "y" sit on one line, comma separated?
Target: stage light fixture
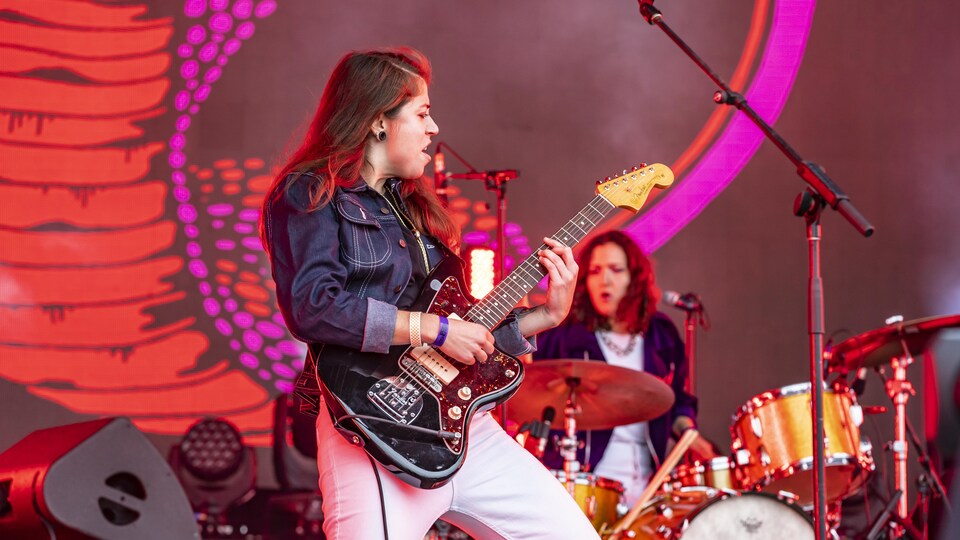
{"x": 217, "y": 470}
{"x": 480, "y": 267}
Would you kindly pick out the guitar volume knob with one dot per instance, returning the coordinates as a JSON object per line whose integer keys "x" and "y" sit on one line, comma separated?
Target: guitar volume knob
{"x": 455, "y": 413}
{"x": 464, "y": 393}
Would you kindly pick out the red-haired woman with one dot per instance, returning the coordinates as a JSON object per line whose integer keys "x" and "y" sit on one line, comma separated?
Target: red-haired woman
{"x": 615, "y": 319}
{"x": 353, "y": 230}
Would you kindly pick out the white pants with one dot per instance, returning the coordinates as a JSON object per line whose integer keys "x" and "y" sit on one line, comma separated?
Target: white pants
{"x": 501, "y": 491}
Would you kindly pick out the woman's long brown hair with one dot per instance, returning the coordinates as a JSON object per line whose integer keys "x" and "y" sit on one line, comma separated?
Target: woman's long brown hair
{"x": 638, "y": 304}
{"x": 363, "y": 85}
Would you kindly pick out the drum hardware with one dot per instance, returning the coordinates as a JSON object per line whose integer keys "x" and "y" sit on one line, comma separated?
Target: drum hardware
{"x": 896, "y": 344}
{"x": 569, "y": 444}
{"x": 899, "y": 389}
{"x": 889, "y": 518}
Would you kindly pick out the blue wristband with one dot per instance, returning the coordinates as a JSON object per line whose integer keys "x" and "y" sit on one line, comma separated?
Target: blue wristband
{"x": 442, "y": 333}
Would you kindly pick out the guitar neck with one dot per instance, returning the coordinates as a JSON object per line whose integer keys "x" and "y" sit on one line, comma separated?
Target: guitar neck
{"x": 495, "y": 306}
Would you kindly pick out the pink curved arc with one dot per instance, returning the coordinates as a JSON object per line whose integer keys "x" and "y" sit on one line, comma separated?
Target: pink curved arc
{"x": 740, "y": 140}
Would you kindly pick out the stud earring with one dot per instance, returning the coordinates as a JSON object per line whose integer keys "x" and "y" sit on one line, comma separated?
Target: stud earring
{"x": 382, "y": 136}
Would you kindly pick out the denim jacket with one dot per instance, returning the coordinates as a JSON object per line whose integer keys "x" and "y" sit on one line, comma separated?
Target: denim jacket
{"x": 340, "y": 269}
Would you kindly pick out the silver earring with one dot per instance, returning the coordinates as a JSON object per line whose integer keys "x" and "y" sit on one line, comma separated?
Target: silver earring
{"x": 382, "y": 136}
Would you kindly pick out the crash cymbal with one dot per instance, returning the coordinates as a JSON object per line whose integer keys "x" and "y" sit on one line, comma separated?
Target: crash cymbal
{"x": 878, "y": 347}
{"x": 608, "y": 396}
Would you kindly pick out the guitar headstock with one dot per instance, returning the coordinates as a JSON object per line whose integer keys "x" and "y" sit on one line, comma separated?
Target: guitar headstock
{"x": 631, "y": 189}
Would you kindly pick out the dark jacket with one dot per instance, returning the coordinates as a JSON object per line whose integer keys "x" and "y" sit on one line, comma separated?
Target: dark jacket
{"x": 663, "y": 356}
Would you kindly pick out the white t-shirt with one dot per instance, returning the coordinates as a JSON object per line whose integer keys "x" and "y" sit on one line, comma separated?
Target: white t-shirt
{"x": 627, "y": 458}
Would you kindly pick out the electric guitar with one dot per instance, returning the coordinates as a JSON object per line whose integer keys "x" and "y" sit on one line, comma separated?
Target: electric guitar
{"x": 411, "y": 408}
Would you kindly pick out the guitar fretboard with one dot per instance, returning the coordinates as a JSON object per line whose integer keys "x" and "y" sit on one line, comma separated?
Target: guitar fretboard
{"x": 495, "y": 306}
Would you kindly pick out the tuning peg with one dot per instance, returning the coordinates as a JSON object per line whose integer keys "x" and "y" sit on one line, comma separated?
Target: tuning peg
{"x": 643, "y": 164}
{"x": 634, "y": 168}
{"x": 624, "y": 172}
{"x": 599, "y": 182}
{"x": 607, "y": 179}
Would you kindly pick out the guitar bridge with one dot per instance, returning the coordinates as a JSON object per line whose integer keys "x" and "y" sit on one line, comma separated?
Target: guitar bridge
{"x": 421, "y": 373}
{"x": 401, "y": 404}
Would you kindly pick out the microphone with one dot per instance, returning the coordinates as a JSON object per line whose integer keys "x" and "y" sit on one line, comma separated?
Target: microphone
{"x": 860, "y": 383}
{"x": 439, "y": 174}
{"x": 549, "y": 413}
{"x": 686, "y": 302}
{"x": 538, "y": 433}
{"x": 499, "y": 175}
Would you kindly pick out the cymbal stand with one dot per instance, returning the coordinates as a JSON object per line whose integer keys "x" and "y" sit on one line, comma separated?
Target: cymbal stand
{"x": 569, "y": 444}
{"x": 900, "y": 389}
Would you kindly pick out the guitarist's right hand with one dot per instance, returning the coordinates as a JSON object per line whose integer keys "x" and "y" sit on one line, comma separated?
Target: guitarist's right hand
{"x": 466, "y": 342}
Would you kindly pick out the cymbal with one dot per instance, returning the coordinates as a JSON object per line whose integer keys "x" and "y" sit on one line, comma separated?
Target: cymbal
{"x": 878, "y": 347}
{"x": 608, "y": 396}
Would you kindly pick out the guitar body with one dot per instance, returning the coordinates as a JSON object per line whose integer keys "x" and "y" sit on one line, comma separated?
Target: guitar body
{"x": 417, "y": 387}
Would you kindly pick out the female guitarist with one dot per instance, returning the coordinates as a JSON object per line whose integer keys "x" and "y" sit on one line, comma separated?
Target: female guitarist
{"x": 353, "y": 230}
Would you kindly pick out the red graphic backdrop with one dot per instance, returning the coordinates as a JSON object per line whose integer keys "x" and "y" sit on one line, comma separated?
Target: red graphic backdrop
{"x": 86, "y": 247}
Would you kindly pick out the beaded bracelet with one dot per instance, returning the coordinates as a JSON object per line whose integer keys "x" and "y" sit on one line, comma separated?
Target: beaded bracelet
{"x": 442, "y": 333}
{"x": 415, "y": 339}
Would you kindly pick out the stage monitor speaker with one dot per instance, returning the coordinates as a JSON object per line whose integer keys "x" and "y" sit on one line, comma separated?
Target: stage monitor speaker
{"x": 102, "y": 479}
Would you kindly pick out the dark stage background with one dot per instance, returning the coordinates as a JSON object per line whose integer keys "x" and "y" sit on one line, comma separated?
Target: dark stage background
{"x": 136, "y": 140}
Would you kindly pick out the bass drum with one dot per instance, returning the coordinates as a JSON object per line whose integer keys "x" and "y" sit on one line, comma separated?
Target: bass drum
{"x": 701, "y": 513}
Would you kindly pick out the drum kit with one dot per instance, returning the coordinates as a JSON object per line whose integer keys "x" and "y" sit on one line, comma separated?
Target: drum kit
{"x": 764, "y": 488}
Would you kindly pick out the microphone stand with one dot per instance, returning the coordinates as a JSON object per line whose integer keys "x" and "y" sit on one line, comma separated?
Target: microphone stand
{"x": 822, "y": 192}
{"x": 695, "y": 314}
{"x": 493, "y": 181}
{"x": 690, "y": 335}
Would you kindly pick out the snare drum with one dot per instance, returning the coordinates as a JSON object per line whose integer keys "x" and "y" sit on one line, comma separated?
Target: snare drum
{"x": 773, "y": 443}
{"x": 598, "y": 497}
{"x": 700, "y": 513}
{"x": 716, "y": 473}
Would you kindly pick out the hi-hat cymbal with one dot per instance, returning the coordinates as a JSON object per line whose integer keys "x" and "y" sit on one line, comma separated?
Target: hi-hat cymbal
{"x": 608, "y": 396}
{"x": 878, "y": 347}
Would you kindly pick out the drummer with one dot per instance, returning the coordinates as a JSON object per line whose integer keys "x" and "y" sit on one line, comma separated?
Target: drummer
{"x": 614, "y": 319}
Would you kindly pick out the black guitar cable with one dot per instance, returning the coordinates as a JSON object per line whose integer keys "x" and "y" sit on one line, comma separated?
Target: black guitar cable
{"x": 439, "y": 433}
{"x": 383, "y": 502}
{"x": 442, "y": 434}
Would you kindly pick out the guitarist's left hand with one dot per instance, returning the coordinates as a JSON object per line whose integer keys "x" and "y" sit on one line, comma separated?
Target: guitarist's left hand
{"x": 562, "y": 271}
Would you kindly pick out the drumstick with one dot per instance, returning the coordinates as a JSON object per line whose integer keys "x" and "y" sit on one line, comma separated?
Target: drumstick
{"x": 669, "y": 463}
